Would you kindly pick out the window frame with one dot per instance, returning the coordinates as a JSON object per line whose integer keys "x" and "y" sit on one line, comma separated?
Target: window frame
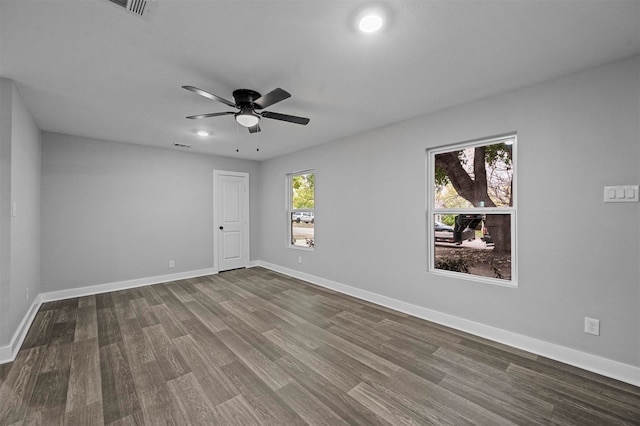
{"x": 290, "y": 209}
{"x": 432, "y": 211}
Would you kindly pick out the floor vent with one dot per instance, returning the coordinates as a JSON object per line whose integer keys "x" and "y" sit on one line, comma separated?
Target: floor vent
{"x": 181, "y": 145}
{"x": 137, "y": 7}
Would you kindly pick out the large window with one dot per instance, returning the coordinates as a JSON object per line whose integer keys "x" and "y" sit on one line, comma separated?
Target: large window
{"x": 471, "y": 211}
{"x": 301, "y": 213}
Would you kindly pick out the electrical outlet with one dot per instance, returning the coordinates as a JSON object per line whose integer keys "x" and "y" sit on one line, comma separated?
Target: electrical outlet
{"x": 299, "y": 259}
{"x": 592, "y": 326}
{"x": 171, "y": 264}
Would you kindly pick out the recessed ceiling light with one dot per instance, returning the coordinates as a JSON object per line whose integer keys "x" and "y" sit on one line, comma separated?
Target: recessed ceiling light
{"x": 203, "y": 133}
{"x": 370, "y": 23}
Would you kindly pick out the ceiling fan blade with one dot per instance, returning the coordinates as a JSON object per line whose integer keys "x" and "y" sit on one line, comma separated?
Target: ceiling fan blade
{"x": 213, "y": 114}
{"x": 254, "y": 129}
{"x": 285, "y": 117}
{"x": 209, "y": 95}
{"x": 274, "y": 96}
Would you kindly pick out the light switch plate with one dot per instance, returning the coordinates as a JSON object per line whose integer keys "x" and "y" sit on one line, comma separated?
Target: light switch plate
{"x": 621, "y": 194}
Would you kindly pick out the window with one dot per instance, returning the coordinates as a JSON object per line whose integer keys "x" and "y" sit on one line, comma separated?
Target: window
{"x": 301, "y": 214}
{"x": 471, "y": 212}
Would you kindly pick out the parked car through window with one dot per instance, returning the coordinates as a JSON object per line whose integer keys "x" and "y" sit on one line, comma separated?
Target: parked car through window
{"x": 306, "y": 217}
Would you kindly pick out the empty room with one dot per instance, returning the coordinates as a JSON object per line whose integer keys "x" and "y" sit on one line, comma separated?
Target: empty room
{"x": 476, "y": 168}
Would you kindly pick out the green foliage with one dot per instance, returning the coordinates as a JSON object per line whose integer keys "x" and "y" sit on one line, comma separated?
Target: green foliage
{"x": 303, "y": 187}
{"x": 498, "y": 153}
{"x": 449, "y": 198}
{"x": 441, "y": 177}
{"x": 448, "y": 219}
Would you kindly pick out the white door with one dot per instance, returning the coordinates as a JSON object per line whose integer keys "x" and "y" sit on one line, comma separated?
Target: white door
{"x": 231, "y": 219}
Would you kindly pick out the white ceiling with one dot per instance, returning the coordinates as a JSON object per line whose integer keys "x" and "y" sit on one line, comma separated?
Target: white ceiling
{"x": 89, "y": 68}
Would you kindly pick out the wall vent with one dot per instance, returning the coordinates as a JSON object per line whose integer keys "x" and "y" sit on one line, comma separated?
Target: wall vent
{"x": 181, "y": 145}
{"x": 141, "y": 8}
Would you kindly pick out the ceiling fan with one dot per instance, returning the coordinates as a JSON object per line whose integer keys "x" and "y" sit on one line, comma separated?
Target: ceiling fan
{"x": 248, "y": 101}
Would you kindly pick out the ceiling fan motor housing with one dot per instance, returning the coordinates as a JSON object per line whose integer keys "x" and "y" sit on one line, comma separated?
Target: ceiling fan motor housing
{"x": 245, "y": 98}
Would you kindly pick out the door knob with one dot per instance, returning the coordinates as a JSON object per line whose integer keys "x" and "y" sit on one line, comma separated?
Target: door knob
{"x": 221, "y": 228}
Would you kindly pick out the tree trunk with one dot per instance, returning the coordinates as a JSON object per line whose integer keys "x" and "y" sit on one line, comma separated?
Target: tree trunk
{"x": 499, "y": 228}
{"x": 460, "y": 179}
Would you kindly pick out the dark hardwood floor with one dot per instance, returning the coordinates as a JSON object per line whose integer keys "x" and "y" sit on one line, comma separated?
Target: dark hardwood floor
{"x": 251, "y": 346}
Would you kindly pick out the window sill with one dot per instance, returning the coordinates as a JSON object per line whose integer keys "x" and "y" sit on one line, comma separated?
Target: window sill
{"x": 475, "y": 278}
{"x": 301, "y": 248}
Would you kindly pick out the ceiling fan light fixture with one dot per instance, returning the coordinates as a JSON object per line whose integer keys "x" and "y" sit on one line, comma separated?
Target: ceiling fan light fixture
{"x": 247, "y": 118}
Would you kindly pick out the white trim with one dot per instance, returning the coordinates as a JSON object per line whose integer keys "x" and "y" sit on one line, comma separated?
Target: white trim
{"x": 476, "y": 142}
{"x": 616, "y": 370}
{"x": 431, "y": 209}
{"x": 9, "y": 352}
{"x": 290, "y": 210}
{"x": 246, "y": 226}
{"x": 122, "y": 285}
{"x": 253, "y": 264}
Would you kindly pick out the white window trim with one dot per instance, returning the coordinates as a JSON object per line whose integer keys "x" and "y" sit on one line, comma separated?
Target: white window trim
{"x": 289, "y": 209}
{"x": 431, "y": 211}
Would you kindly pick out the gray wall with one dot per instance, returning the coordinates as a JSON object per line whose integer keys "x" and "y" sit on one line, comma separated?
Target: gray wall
{"x": 113, "y": 212}
{"x": 577, "y": 256}
{"x": 19, "y": 235}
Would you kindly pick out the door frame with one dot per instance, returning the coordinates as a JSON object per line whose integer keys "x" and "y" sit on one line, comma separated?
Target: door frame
{"x": 245, "y": 214}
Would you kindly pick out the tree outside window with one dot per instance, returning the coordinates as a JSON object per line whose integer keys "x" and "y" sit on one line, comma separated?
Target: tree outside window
{"x": 472, "y": 209}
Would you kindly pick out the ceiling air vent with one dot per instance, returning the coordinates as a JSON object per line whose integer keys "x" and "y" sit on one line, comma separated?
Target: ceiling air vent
{"x": 137, "y": 7}
{"x": 181, "y": 145}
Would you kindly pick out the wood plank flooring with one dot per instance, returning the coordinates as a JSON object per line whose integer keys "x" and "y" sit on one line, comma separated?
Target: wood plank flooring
{"x": 253, "y": 347}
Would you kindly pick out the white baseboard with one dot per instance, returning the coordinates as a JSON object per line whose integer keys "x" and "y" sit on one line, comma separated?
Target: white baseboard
{"x": 122, "y": 285}
{"x": 596, "y": 364}
{"x": 9, "y": 352}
